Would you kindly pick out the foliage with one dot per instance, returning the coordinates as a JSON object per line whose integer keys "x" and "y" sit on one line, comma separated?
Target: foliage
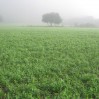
{"x": 49, "y": 63}
{"x": 52, "y": 18}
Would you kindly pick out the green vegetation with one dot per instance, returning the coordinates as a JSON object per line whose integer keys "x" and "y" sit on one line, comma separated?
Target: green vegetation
{"x": 49, "y": 63}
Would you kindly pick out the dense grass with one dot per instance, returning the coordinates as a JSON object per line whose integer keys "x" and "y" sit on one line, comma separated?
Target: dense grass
{"x": 49, "y": 63}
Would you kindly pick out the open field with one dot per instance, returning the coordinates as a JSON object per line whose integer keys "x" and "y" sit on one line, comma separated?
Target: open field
{"x": 49, "y": 63}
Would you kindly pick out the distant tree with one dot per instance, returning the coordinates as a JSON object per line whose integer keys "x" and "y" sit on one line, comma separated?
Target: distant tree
{"x": 87, "y": 25}
{"x": 1, "y": 19}
{"x": 51, "y": 18}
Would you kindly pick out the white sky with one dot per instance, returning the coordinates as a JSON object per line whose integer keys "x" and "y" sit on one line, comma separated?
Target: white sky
{"x": 30, "y": 11}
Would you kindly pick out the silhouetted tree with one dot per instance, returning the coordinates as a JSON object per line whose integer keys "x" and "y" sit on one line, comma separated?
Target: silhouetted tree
{"x": 51, "y": 18}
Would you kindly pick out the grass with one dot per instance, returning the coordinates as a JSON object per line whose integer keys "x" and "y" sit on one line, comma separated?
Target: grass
{"x": 49, "y": 63}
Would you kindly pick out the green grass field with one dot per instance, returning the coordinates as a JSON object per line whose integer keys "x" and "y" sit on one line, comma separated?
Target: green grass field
{"x": 49, "y": 63}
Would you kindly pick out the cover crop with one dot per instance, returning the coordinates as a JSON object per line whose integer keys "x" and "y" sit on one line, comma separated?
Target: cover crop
{"x": 49, "y": 63}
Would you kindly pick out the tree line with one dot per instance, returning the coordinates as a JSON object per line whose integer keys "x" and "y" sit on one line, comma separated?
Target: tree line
{"x": 49, "y": 18}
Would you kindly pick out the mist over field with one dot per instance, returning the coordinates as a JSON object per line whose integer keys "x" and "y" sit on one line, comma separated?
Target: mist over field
{"x": 29, "y": 12}
{"x": 49, "y": 49}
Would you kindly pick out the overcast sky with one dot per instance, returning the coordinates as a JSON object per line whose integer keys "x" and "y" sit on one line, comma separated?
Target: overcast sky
{"x": 31, "y": 11}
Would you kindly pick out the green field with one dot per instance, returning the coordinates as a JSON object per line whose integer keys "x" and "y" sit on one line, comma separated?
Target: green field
{"x": 49, "y": 63}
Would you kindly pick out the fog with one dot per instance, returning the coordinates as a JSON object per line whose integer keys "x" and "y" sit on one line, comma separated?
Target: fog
{"x": 30, "y": 11}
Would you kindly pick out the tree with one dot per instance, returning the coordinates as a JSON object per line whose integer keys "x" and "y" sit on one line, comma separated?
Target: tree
{"x": 1, "y": 19}
{"x": 51, "y": 18}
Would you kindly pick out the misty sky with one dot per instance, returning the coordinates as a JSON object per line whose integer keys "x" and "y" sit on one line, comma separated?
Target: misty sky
{"x": 31, "y": 11}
